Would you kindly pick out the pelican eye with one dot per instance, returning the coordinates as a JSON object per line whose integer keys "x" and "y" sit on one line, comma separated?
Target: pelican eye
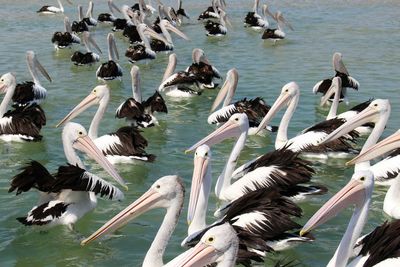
{"x": 80, "y": 133}
{"x": 206, "y": 154}
{"x": 158, "y": 186}
{"x": 362, "y": 178}
{"x": 236, "y": 119}
{"x": 375, "y": 105}
{"x": 94, "y": 91}
{"x": 210, "y": 239}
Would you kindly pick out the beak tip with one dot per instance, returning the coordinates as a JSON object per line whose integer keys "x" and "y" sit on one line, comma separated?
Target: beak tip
{"x": 303, "y": 232}
{"x": 126, "y": 188}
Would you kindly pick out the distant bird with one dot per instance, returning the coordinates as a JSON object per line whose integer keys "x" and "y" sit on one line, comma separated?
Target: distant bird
{"x": 23, "y": 123}
{"x": 277, "y": 34}
{"x": 340, "y": 71}
{"x": 140, "y": 113}
{"x": 89, "y": 57}
{"x": 159, "y": 45}
{"x": 110, "y": 70}
{"x": 52, "y": 9}
{"x": 203, "y": 70}
{"x": 80, "y": 25}
{"x": 68, "y": 195}
{"x": 181, "y": 13}
{"x": 217, "y": 28}
{"x": 65, "y": 39}
{"x": 213, "y": 12}
{"x": 88, "y": 19}
{"x": 254, "y": 20}
{"x": 109, "y": 18}
{"x": 30, "y": 92}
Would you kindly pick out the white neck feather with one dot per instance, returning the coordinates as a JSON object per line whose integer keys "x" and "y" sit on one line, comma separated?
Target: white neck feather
{"x": 282, "y": 137}
{"x": 334, "y": 106}
{"x": 7, "y": 98}
{"x": 94, "y": 125}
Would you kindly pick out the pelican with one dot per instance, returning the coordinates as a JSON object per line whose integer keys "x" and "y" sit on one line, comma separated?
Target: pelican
{"x": 390, "y": 144}
{"x": 340, "y": 71}
{"x": 181, "y": 13}
{"x": 22, "y": 124}
{"x": 140, "y": 113}
{"x": 158, "y": 45}
{"x": 52, "y": 9}
{"x": 309, "y": 141}
{"x": 198, "y": 201}
{"x": 65, "y": 39}
{"x": 89, "y": 57}
{"x": 109, "y": 18}
{"x": 281, "y": 169}
{"x": 255, "y": 109}
{"x": 217, "y": 28}
{"x": 143, "y": 51}
{"x": 254, "y": 20}
{"x": 124, "y": 145}
{"x": 120, "y": 24}
{"x": 80, "y": 25}
{"x": 130, "y": 30}
{"x": 71, "y": 193}
{"x": 380, "y": 248}
{"x": 277, "y": 34}
{"x": 181, "y": 84}
{"x": 377, "y": 112}
{"x": 212, "y": 12}
{"x": 203, "y": 70}
{"x": 88, "y": 19}
{"x": 31, "y": 92}
{"x": 146, "y": 9}
{"x": 110, "y": 70}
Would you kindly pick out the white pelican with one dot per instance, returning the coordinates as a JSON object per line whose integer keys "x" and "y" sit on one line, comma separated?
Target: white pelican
{"x": 52, "y": 9}
{"x": 31, "y": 92}
{"x": 80, "y": 25}
{"x": 124, "y": 145}
{"x": 281, "y": 169}
{"x": 65, "y": 39}
{"x": 277, "y": 34}
{"x": 390, "y": 144}
{"x": 71, "y": 192}
{"x": 213, "y": 12}
{"x": 254, "y": 20}
{"x": 89, "y": 57}
{"x": 180, "y": 12}
{"x": 308, "y": 141}
{"x": 146, "y": 9}
{"x": 255, "y": 109}
{"x": 110, "y": 70}
{"x": 22, "y": 124}
{"x": 340, "y": 71}
{"x": 158, "y": 45}
{"x": 121, "y": 24}
{"x": 88, "y": 19}
{"x": 137, "y": 112}
{"x": 380, "y": 248}
{"x": 109, "y": 18}
{"x": 257, "y": 214}
{"x": 217, "y": 28}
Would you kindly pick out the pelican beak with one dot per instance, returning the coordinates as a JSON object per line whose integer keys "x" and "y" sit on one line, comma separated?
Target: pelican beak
{"x": 384, "y": 146}
{"x": 146, "y": 202}
{"x": 89, "y": 101}
{"x": 229, "y": 87}
{"x": 199, "y": 172}
{"x": 175, "y": 30}
{"x": 278, "y": 105}
{"x": 112, "y": 7}
{"x": 86, "y": 145}
{"x": 35, "y": 64}
{"x": 93, "y": 42}
{"x": 200, "y": 256}
{"x": 227, "y": 130}
{"x": 69, "y": 2}
{"x": 334, "y": 89}
{"x": 353, "y": 193}
{"x": 155, "y": 35}
{"x": 112, "y": 46}
{"x": 367, "y": 115}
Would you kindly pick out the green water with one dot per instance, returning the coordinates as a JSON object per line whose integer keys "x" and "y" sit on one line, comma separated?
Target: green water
{"x": 365, "y": 32}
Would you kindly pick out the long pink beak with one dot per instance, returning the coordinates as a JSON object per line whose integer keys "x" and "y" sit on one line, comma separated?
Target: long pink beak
{"x": 87, "y": 102}
{"x": 200, "y": 256}
{"x": 144, "y": 203}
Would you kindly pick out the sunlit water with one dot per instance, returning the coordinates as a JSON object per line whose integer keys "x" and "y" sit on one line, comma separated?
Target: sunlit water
{"x": 365, "y": 32}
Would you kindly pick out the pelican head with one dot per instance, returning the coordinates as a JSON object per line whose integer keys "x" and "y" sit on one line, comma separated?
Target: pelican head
{"x": 218, "y": 244}
{"x": 6, "y": 81}
{"x": 164, "y": 193}
{"x": 377, "y": 110}
{"x": 198, "y": 56}
{"x": 74, "y": 135}
{"x": 236, "y": 125}
{"x": 356, "y": 192}
{"x": 335, "y": 88}
{"x": 290, "y": 92}
{"x": 99, "y": 95}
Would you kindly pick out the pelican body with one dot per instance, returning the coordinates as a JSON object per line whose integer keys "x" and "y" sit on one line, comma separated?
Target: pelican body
{"x": 110, "y": 70}
{"x": 88, "y": 58}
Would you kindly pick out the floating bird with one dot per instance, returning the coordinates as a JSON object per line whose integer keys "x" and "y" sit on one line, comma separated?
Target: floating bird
{"x": 89, "y": 57}
{"x": 65, "y": 39}
{"x": 52, "y": 9}
{"x": 110, "y": 70}
{"x": 126, "y": 145}
{"x": 213, "y": 12}
{"x": 88, "y": 19}
{"x": 280, "y": 169}
{"x": 217, "y": 28}
{"x": 277, "y": 34}
{"x": 140, "y": 113}
{"x": 181, "y": 13}
{"x": 309, "y": 141}
{"x": 80, "y": 25}
{"x": 30, "y": 92}
{"x": 143, "y": 51}
{"x": 146, "y": 9}
{"x": 71, "y": 193}
{"x": 203, "y": 70}
{"x": 380, "y": 248}
{"x": 340, "y": 71}
{"x": 254, "y": 20}
{"x": 255, "y": 109}
{"x": 159, "y": 45}
{"x": 23, "y": 123}
{"x": 109, "y": 18}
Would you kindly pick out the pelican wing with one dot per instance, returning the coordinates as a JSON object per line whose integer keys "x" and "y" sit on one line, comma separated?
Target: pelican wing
{"x": 131, "y": 109}
{"x": 387, "y": 169}
{"x": 45, "y": 213}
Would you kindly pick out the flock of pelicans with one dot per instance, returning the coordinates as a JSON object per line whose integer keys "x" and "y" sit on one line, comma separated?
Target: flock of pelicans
{"x": 258, "y": 198}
